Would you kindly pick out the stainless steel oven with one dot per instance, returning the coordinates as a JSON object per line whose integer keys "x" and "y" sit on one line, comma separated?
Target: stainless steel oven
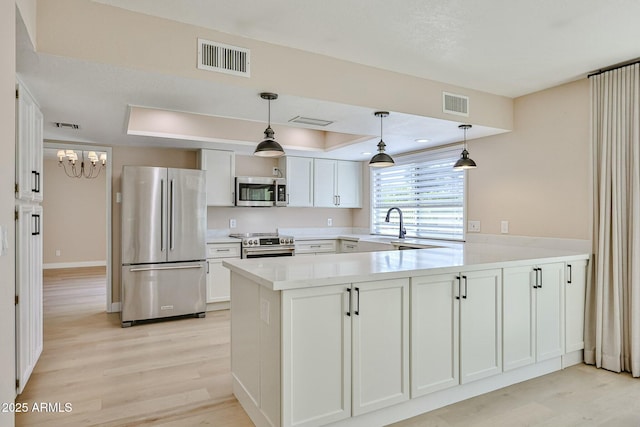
{"x": 266, "y": 245}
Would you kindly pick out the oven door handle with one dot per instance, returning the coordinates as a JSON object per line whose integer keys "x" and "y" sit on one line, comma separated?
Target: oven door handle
{"x": 257, "y": 252}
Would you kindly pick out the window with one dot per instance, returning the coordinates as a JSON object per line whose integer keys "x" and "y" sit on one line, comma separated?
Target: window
{"x": 427, "y": 190}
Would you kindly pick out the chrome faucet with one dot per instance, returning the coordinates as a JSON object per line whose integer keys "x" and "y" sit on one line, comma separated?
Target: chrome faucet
{"x": 402, "y": 231}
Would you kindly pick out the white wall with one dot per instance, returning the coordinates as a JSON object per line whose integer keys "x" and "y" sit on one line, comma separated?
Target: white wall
{"x": 7, "y": 180}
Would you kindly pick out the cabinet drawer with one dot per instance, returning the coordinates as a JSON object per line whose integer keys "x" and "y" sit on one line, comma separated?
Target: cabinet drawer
{"x": 348, "y": 246}
{"x": 316, "y": 246}
{"x": 223, "y": 250}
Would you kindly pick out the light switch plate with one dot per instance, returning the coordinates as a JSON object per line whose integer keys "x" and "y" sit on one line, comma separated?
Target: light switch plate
{"x": 232, "y": 223}
{"x": 4, "y": 241}
{"x": 473, "y": 226}
{"x": 264, "y": 311}
{"x": 504, "y": 227}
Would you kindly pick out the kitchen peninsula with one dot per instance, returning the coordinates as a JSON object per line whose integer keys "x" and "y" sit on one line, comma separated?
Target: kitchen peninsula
{"x": 366, "y": 339}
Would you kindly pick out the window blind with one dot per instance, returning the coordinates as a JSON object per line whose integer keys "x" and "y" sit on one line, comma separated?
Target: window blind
{"x": 427, "y": 190}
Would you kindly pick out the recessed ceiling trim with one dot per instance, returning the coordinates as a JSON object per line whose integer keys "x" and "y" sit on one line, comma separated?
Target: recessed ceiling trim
{"x": 310, "y": 121}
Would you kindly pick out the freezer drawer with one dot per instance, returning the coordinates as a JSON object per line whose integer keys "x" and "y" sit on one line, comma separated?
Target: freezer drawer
{"x": 154, "y": 291}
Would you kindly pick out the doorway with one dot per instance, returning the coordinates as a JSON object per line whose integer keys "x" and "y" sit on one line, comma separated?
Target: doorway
{"x": 77, "y": 214}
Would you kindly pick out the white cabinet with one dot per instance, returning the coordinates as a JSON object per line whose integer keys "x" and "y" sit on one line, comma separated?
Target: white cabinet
{"x": 533, "y": 306}
{"x": 28, "y": 291}
{"x": 435, "y": 331}
{"x": 345, "y": 350}
{"x": 456, "y": 329}
{"x": 220, "y": 174}
{"x": 316, "y": 247}
{"x": 219, "y": 277}
{"x": 575, "y": 288}
{"x": 337, "y": 183}
{"x": 29, "y": 148}
{"x": 299, "y": 174}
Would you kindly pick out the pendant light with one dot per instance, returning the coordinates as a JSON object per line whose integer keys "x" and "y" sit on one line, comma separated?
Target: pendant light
{"x": 382, "y": 159}
{"x": 269, "y": 147}
{"x": 464, "y": 162}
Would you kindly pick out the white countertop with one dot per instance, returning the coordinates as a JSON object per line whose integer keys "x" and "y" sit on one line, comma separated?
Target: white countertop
{"x": 301, "y": 272}
{"x": 219, "y": 239}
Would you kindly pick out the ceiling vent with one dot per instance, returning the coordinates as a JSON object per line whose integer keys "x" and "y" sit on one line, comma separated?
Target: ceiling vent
{"x": 455, "y": 104}
{"x": 66, "y": 125}
{"x": 310, "y": 121}
{"x": 223, "y": 58}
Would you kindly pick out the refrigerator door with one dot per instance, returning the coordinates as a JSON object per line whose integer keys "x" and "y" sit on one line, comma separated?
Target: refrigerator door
{"x": 187, "y": 215}
{"x": 144, "y": 215}
{"x": 162, "y": 290}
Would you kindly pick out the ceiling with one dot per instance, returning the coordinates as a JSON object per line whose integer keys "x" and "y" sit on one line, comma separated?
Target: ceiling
{"x": 504, "y": 47}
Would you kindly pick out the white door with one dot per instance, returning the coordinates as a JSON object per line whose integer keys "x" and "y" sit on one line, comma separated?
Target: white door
{"x": 299, "y": 181}
{"x": 380, "y": 344}
{"x": 324, "y": 183}
{"x": 220, "y": 176}
{"x": 28, "y": 291}
{"x": 434, "y": 334}
{"x": 218, "y": 281}
{"x": 550, "y": 312}
{"x": 575, "y": 287}
{"x": 518, "y": 314}
{"x": 349, "y": 184}
{"x": 316, "y": 356}
{"x": 480, "y": 325}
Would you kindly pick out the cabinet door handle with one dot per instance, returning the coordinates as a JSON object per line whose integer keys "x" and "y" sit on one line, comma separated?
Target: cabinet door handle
{"x": 349, "y": 306}
{"x": 357, "y": 311}
{"x": 36, "y": 225}
{"x": 339, "y": 201}
{"x": 465, "y": 287}
{"x": 459, "y": 285}
{"x": 287, "y": 198}
{"x": 34, "y": 187}
{"x": 570, "y": 273}
{"x": 540, "y": 285}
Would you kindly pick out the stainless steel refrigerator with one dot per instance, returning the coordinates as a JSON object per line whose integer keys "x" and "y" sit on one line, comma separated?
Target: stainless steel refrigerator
{"x": 164, "y": 221}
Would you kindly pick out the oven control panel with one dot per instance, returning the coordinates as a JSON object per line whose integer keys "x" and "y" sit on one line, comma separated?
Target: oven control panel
{"x": 268, "y": 241}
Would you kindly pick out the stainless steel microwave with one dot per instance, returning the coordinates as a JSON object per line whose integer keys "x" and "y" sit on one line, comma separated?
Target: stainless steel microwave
{"x": 260, "y": 191}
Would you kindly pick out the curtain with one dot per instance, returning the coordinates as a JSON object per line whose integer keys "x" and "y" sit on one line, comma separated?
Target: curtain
{"x": 612, "y": 317}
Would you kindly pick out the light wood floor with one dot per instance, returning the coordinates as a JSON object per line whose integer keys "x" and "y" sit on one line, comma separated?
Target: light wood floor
{"x": 177, "y": 374}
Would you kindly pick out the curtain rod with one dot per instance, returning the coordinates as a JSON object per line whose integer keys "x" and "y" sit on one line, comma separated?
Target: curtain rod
{"x": 614, "y": 67}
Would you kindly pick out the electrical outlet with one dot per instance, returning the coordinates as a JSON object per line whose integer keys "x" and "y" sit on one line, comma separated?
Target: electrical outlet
{"x": 473, "y": 226}
{"x": 232, "y": 223}
{"x": 58, "y": 252}
{"x": 329, "y": 222}
{"x": 118, "y": 197}
{"x": 275, "y": 171}
{"x": 504, "y": 227}
{"x": 264, "y": 311}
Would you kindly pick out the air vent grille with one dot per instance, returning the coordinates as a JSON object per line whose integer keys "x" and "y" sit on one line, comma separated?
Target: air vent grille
{"x": 223, "y": 58}
{"x": 310, "y": 121}
{"x": 455, "y": 104}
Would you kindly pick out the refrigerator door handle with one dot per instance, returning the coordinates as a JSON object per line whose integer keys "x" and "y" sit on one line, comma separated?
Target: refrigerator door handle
{"x": 162, "y": 215}
{"x": 172, "y": 228}
{"x": 181, "y": 267}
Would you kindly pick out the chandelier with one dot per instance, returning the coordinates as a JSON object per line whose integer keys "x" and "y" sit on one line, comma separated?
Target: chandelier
{"x": 74, "y": 169}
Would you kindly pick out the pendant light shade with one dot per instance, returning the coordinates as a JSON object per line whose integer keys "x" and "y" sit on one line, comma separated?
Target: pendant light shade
{"x": 382, "y": 159}
{"x": 464, "y": 162}
{"x": 269, "y": 147}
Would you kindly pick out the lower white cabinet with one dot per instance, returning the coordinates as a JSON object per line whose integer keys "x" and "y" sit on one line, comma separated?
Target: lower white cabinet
{"x": 575, "y": 289}
{"x": 456, "y": 325}
{"x": 533, "y": 310}
{"x": 348, "y": 246}
{"x": 29, "y": 322}
{"x": 345, "y": 350}
{"x": 219, "y": 277}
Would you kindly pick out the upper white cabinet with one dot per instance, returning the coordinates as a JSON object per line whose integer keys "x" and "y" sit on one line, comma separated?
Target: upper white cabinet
{"x": 533, "y": 309}
{"x": 29, "y": 148}
{"x": 337, "y": 183}
{"x": 299, "y": 174}
{"x": 220, "y": 167}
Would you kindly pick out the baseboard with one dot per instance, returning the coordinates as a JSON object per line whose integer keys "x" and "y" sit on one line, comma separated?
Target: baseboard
{"x": 115, "y": 307}
{"x": 55, "y": 265}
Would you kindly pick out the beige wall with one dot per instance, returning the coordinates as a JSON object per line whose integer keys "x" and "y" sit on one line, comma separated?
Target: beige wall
{"x": 127, "y": 156}
{"x": 7, "y": 180}
{"x": 537, "y": 177}
{"x": 170, "y": 47}
{"x": 27, "y": 9}
{"x": 75, "y": 221}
